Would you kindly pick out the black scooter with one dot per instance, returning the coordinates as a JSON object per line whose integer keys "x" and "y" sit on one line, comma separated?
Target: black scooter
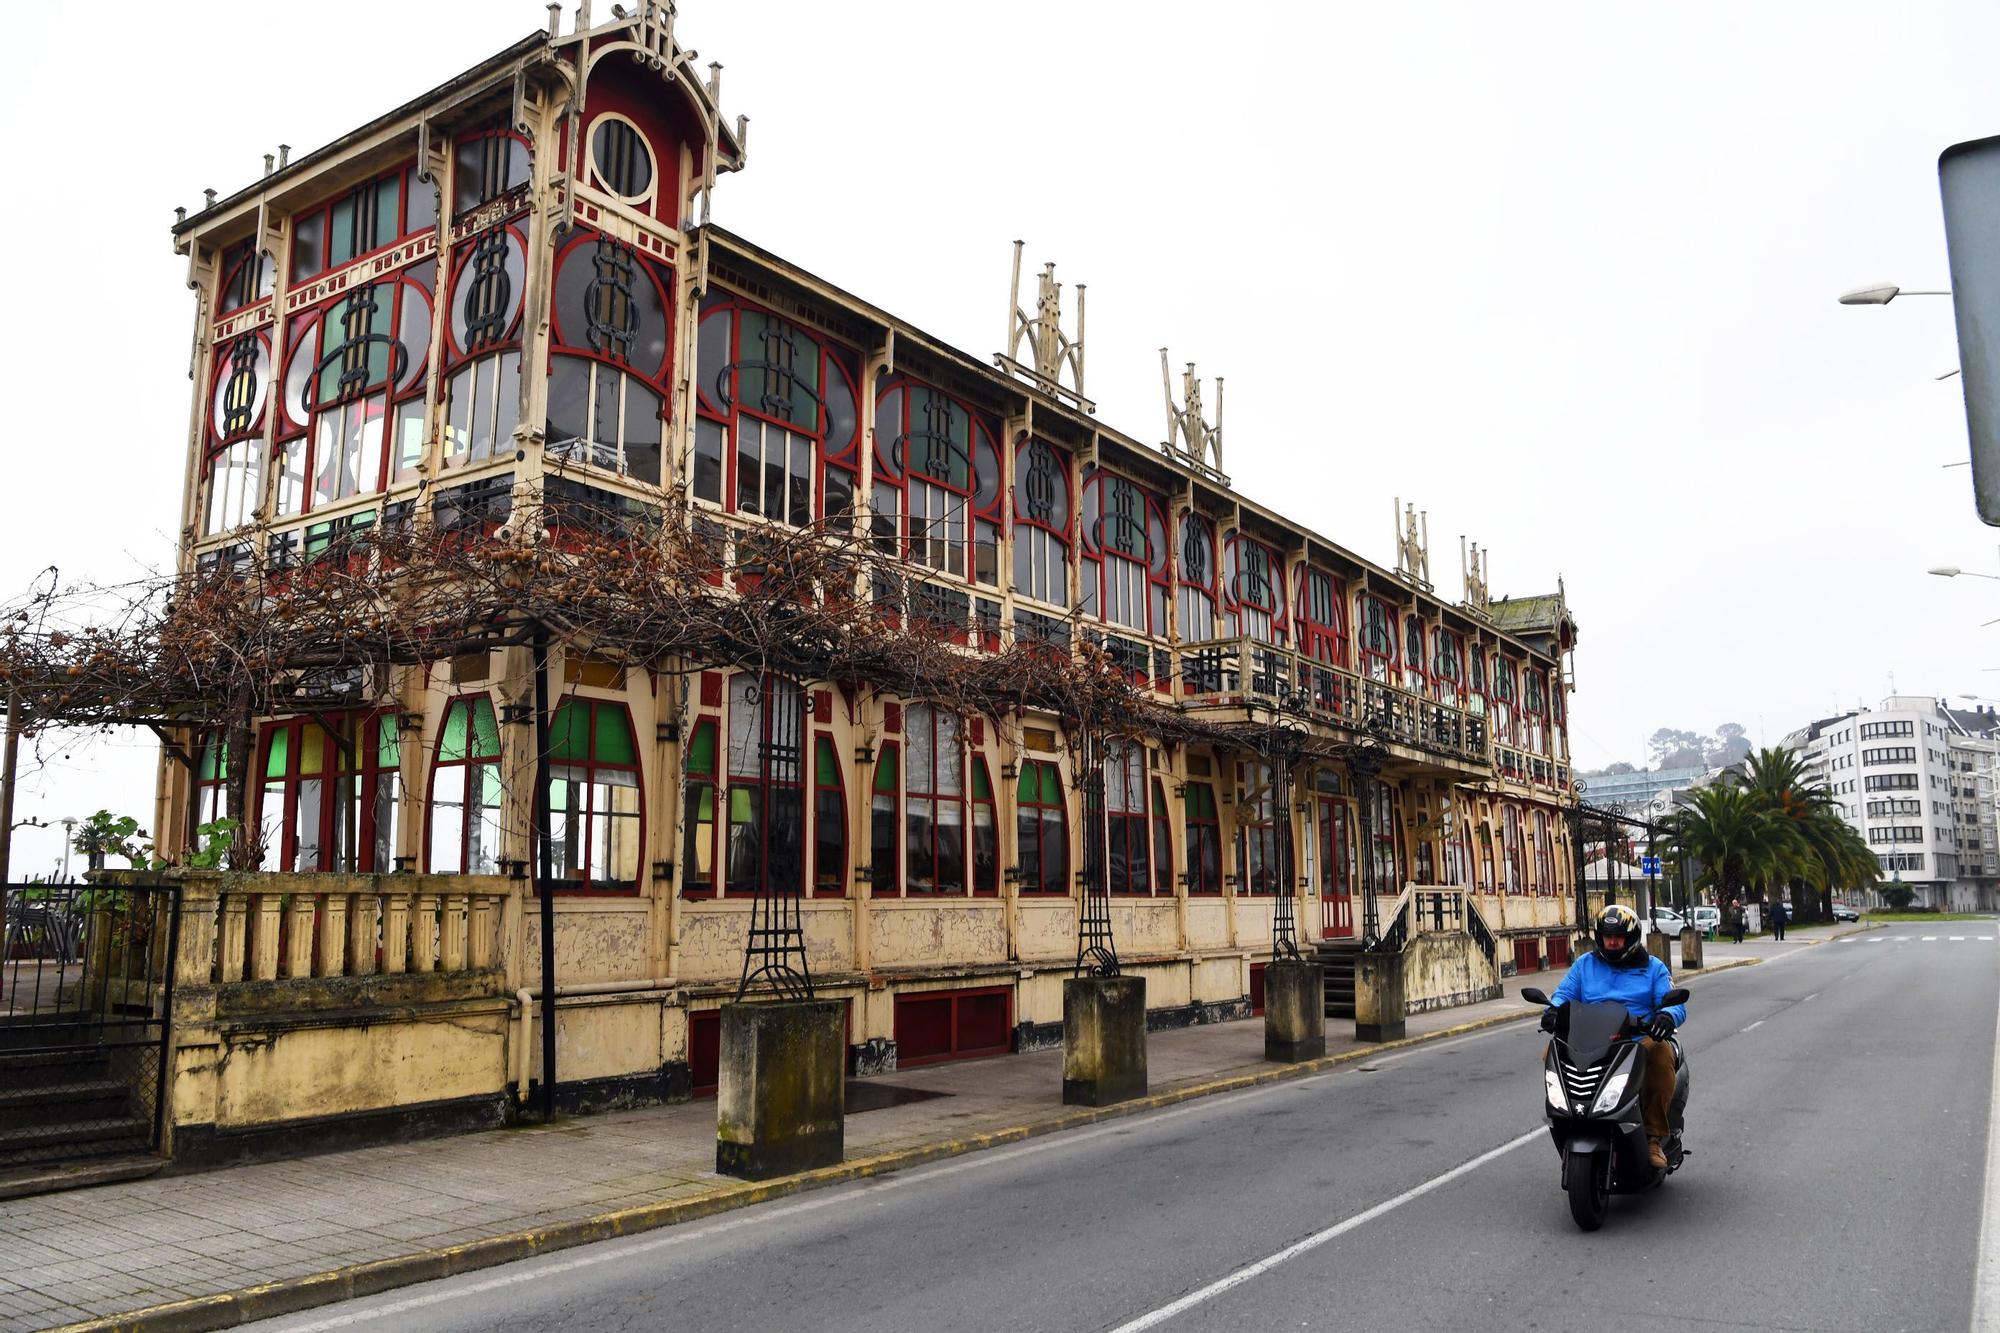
{"x": 1593, "y": 1077}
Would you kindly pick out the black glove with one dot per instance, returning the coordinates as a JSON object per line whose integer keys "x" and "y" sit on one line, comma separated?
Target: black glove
{"x": 1661, "y": 1027}
{"x": 1549, "y": 1018}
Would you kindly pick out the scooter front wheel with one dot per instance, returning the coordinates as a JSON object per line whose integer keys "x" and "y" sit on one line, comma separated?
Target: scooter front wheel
{"x": 1584, "y": 1179}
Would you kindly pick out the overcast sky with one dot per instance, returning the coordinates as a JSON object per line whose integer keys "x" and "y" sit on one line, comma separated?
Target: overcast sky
{"x": 1562, "y": 274}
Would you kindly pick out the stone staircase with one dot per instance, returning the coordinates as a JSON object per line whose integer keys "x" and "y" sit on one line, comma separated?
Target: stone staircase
{"x": 1336, "y": 959}
{"x": 74, "y": 1103}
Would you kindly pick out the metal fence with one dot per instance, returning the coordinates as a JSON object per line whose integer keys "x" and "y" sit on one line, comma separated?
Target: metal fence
{"x": 86, "y": 987}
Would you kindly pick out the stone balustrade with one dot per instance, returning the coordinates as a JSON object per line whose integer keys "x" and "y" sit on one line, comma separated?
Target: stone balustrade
{"x": 272, "y": 928}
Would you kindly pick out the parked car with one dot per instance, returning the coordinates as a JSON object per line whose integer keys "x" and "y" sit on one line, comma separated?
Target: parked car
{"x": 1707, "y": 919}
{"x": 1842, "y": 912}
{"x": 1666, "y": 919}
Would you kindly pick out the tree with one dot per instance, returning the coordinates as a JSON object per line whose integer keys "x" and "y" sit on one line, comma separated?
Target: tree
{"x": 1617, "y": 769}
{"x": 1732, "y": 746}
{"x": 1671, "y": 748}
{"x": 1830, "y": 852}
{"x": 1737, "y": 844}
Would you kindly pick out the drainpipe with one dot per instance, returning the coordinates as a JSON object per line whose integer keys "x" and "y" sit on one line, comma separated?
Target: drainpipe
{"x": 545, "y": 871}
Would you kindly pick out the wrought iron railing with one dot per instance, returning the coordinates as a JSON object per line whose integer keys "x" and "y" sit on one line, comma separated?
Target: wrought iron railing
{"x": 1234, "y": 672}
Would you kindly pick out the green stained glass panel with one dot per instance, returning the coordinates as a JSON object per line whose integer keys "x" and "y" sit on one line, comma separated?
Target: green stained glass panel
{"x": 388, "y": 209}
{"x": 739, "y": 805}
{"x": 1030, "y": 782}
{"x": 569, "y": 732}
{"x": 614, "y": 736}
{"x": 825, "y": 765}
{"x": 485, "y": 730}
{"x": 387, "y": 754}
{"x": 276, "y": 762}
{"x": 982, "y": 786}
{"x": 705, "y": 805}
{"x": 885, "y": 772}
{"x": 214, "y": 761}
{"x": 452, "y": 747}
{"x": 1051, "y": 784}
{"x": 701, "y": 751}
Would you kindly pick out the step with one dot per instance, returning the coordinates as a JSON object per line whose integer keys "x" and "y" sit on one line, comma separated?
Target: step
{"x": 21, "y": 1060}
{"x": 73, "y": 1101}
{"x": 120, "y": 1129}
{"x": 21, "y": 1182}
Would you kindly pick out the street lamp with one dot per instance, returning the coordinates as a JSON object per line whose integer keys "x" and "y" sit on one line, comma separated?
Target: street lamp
{"x": 1880, "y": 295}
{"x": 1953, "y": 571}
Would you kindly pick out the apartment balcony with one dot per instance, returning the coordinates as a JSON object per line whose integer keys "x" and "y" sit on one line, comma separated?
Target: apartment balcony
{"x": 1244, "y": 680}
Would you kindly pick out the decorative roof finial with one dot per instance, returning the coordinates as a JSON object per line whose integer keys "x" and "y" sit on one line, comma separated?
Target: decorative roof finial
{"x": 1413, "y": 558}
{"x": 1054, "y": 351}
{"x": 1190, "y": 439}
{"x": 1473, "y": 567}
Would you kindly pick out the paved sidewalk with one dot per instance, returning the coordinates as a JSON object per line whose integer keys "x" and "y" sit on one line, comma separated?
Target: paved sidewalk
{"x": 93, "y": 1253}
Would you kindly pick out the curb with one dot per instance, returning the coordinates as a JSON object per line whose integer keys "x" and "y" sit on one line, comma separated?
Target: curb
{"x": 270, "y": 1300}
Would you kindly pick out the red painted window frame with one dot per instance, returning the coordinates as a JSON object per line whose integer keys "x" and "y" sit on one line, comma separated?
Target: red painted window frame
{"x": 834, "y": 359}
{"x": 1019, "y": 515}
{"x": 1545, "y": 856}
{"x": 430, "y": 786}
{"x": 1235, "y": 606}
{"x": 1369, "y": 657}
{"x": 588, "y": 887}
{"x": 891, "y": 884}
{"x": 765, "y": 780}
{"x": 894, "y": 472}
{"x": 1155, "y": 568}
{"x": 838, "y": 789}
{"x": 1203, "y": 831}
{"x": 497, "y": 130}
{"x": 1192, "y": 522}
{"x": 1448, "y": 687}
{"x": 562, "y": 344}
{"x": 911, "y": 793}
{"x": 368, "y": 770}
{"x": 691, "y": 783}
{"x": 1268, "y": 827}
{"x": 1416, "y": 678}
{"x": 1060, "y": 837}
{"x": 1127, "y": 826}
{"x": 985, "y": 884}
{"x": 404, "y": 231}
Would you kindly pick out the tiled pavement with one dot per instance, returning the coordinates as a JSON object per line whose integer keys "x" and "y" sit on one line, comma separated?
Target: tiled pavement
{"x": 87, "y": 1253}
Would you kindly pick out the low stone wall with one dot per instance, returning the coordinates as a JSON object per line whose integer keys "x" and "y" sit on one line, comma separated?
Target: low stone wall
{"x": 1444, "y": 969}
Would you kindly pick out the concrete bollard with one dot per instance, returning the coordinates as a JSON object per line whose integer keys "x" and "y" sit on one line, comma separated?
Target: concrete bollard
{"x": 1104, "y": 1040}
{"x": 1658, "y": 946}
{"x": 1294, "y": 1010}
{"x": 1690, "y": 950}
{"x": 1380, "y": 1006}
{"x": 781, "y": 1102}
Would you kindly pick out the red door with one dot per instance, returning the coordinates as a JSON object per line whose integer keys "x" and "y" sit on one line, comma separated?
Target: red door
{"x": 1336, "y": 868}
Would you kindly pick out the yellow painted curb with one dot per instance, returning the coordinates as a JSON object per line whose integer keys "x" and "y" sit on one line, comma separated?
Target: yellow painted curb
{"x": 271, "y": 1299}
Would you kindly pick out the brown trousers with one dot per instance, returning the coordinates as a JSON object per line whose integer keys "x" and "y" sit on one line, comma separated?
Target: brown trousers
{"x": 1657, "y": 1102}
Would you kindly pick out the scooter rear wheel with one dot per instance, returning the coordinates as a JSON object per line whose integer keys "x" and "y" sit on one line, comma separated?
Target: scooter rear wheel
{"x": 1584, "y": 1179}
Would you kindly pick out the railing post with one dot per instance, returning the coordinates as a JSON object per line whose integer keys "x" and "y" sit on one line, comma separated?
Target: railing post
{"x": 395, "y": 930}
{"x": 264, "y": 963}
{"x": 200, "y": 908}
{"x": 330, "y": 953}
{"x": 452, "y": 949}
{"x": 234, "y": 946}
{"x": 299, "y": 934}
{"x": 361, "y": 934}
{"x": 479, "y": 930}
{"x": 424, "y": 933}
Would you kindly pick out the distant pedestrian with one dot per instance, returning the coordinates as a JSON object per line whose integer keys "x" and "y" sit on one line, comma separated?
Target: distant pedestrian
{"x": 1778, "y": 914}
{"x": 1737, "y": 918}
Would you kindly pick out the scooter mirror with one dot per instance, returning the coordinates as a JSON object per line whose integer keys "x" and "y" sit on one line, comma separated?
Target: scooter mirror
{"x": 1678, "y": 995}
{"x": 1534, "y": 995}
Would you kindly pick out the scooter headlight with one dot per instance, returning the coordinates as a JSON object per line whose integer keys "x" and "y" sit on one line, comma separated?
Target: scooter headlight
{"x": 1555, "y": 1089}
{"x": 1614, "y": 1089}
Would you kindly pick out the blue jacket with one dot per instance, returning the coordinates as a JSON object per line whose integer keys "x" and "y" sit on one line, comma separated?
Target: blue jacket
{"x": 1638, "y": 988}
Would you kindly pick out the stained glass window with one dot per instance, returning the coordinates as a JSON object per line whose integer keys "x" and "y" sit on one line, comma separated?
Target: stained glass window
{"x": 1041, "y": 523}
{"x": 465, "y": 794}
{"x": 607, "y": 379}
{"x": 595, "y": 824}
{"x": 1042, "y": 829}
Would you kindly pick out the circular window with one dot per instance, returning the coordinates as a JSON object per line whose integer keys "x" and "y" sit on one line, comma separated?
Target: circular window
{"x": 624, "y": 163}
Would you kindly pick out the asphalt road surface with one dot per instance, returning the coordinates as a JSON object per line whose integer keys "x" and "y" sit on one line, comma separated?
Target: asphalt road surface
{"x": 1838, "y": 1133}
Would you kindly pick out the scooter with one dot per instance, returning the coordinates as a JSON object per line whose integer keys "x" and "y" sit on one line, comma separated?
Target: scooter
{"x": 1593, "y": 1078}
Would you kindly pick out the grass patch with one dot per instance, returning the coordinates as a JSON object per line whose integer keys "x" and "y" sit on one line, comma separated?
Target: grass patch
{"x": 1926, "y": 916}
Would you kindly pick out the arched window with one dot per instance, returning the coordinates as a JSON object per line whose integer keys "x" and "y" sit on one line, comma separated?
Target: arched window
{"x": 1475, "y": 700}
{"x": 211, "y": 781}
{"x": 608, "y": 367}
{"x": 1378, "y": 640}
{"x": 698, "y": 822}
{"x": 1505, "y": 676}
{"x": 370, "y": 217}
{"x": 829, "y": 822}
{"x": 486, "y": 165}
{"x": 776, "y": 431}
{"x": 1126, "y": 579}
{"x": 885, "y": 824}
{"x": 1414, "y": 656}
{"x": 1204, "y": 835}
{"x": 1512, "y": 862}
{"x": 1322, "y": 627}
{"x": 1041, "y": 523}
{"x": 767, "y": 815}
{"x": 1163, "y": 841}
{"x": 1127, "y": 829}
{"x": 1534, "y": 709}
{"x": 1042, "y": 825}
{"x": 595, "y": 820}
{"x": 329, "y": 796}
{"x": 353, "y": 416}
{"x": 1545, "y": 855}
{"x": 1448, "y": 666}
{"x": 483, "y": 346}
{"x": 937, "y": 465}
{"x": 1387, "y": 847}
{"x": 465, "y": 791}
{"x": 1486, "y": 881}
{"x": 1197, "y": 573}
{"x": 240, "y": 382}
{"x": 1253, "y": 590}
{"x": 1259, "y": 866}
{"x": 934, "y": 802}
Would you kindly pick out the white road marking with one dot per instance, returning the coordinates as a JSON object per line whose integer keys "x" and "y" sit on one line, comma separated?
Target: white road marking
{"x": 1956, "y": 938}
{"x": 1986, "y": 1278}
{"x": 1759, "y": 1023}
{"x": 1319, "y": 1238}
{"x": 1810, "y": 998}
{"x": 1843, "y": 941}
{"x": 1928, "y": 939}
{"x": 1985, "y": 937}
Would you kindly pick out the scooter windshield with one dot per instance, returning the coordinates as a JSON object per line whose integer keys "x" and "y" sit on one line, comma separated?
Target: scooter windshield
{"x": 1592, "y": 1028}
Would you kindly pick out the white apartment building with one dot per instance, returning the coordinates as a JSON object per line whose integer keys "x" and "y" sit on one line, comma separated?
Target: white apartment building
{"x": 1918, "y": 779}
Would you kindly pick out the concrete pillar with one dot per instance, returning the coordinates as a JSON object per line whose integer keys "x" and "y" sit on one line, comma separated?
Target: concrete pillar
{"x": 1690, "y": 950}
{"x": 1657, "y": 945}
{"x": 1379, "y": 998}
{"x": 781, "y": 1102}
{"x": 1104, "y": 1040}
{"x": 1294, "y": 1010}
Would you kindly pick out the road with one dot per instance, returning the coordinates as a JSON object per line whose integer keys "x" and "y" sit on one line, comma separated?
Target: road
{"x": 1838, "y": 1124}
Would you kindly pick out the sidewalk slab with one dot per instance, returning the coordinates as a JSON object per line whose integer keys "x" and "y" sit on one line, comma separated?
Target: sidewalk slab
{"x": 218, "y": 1248}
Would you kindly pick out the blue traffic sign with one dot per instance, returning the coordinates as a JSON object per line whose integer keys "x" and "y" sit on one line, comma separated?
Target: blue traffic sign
{"x": 1650, "y": 865}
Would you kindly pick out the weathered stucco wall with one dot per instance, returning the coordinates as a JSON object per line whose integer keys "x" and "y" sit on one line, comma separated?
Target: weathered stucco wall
{"x": 1444, "y": 969}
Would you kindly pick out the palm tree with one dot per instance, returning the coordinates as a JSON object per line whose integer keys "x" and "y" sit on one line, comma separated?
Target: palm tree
{"x": 1738, "y": 842}
{"x": 1835, "y": 857}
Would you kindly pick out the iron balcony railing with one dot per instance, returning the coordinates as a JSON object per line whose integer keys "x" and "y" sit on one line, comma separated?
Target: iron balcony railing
{"x": 1237, "y": 672}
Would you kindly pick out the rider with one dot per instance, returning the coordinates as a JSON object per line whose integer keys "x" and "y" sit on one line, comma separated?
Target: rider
{"x": 1620, "y": 969}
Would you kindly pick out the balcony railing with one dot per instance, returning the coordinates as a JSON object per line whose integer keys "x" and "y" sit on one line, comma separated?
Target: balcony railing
{"x": 1235, "y": 672}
